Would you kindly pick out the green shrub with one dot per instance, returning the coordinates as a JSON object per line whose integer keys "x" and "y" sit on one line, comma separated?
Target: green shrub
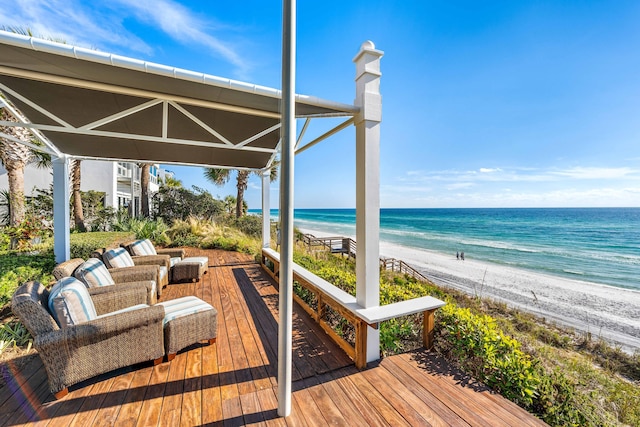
{"x": 154, "y": 229}
{"x": 482, "y": 349}
{"x": 82, "y": 244}
{"x": 14, "y": 335}
{"x": 16, "y": 269}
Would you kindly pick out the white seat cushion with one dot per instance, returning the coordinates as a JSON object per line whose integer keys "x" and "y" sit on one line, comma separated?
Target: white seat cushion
{"x": 70, "y": 302}
{"x": 117, "y": 258}
{"x": 143, "y": 247}
{"x": 202, "y": 260}
{"x": 93, "y": 273}
{"x": 175, "y": 260}
{"x": 182, "y": 307}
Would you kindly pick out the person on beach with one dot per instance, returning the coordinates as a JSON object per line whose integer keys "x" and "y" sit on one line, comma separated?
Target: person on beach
{"x": 457, "y": 255}
{"x": 462, "y": 256}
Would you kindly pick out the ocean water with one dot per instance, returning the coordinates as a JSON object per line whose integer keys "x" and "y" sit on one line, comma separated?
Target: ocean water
{"x": 600, "y": 245}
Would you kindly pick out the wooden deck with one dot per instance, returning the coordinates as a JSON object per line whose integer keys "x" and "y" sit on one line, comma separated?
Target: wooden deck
{"x": 233, "y": 381}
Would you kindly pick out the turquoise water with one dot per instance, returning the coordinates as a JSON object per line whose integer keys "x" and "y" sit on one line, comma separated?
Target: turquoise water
{"x": 600, "y": 245}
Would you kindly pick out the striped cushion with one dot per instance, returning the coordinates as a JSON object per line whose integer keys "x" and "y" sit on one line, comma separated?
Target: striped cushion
{"x": 183, "y": 306}
{"x": 70, "y": 303}
{"x": 94, "y": 273}
{"x": 143, "y": 247}
{"x": 117, "y": 258}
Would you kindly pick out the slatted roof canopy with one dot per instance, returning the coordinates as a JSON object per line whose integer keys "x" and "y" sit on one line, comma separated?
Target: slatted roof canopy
{"x": 91, "y": 104}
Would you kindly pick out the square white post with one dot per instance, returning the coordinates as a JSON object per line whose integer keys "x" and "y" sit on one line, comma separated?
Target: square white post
{"x": 61, "y": 228}
{"x": 367, "y": 124}
{"x": 266, "y": 208}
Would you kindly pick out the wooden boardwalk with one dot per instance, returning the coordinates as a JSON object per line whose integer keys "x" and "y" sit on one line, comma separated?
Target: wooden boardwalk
{"x": 233, "y": 381}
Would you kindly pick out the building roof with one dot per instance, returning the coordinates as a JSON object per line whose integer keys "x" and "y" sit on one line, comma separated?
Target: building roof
{"x": 91, "y": 104}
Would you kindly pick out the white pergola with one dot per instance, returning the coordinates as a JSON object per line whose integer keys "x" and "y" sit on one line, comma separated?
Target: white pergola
{"x": 86, "y": 104}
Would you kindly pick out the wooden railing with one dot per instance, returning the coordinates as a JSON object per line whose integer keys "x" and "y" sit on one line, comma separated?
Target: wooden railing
{"x": 346, "y": 245}
{"x": 341, "y": 245}
{"x": 326, "y": 294}
{"x": 402, "y": 267}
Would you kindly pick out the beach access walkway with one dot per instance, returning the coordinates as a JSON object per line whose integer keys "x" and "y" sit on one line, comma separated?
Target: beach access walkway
{"x": 233, "y": 382}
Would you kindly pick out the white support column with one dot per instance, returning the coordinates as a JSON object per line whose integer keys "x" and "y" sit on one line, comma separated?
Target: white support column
{"x": 288, "y": 108}
{"x": 266, "y": 209}
{"x": 61, "y": 228}
{"x": 367, "y": 124}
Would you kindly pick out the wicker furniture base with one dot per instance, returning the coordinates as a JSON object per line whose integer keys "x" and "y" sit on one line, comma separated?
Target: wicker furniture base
{"x": 191, "y": 268}
{"x": 188, "y": 320}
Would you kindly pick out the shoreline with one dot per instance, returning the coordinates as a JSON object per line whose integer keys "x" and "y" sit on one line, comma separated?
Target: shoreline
{"x": 603, "y": 310}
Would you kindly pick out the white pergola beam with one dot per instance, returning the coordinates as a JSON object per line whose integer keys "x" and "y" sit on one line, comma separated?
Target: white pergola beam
{"x": 137, "y": 137}
{"x": 326, "y": 135}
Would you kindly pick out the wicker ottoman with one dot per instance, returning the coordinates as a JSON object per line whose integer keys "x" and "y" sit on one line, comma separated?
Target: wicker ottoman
{"x": 191, "y": 268}
{"x": 187, "y": 320}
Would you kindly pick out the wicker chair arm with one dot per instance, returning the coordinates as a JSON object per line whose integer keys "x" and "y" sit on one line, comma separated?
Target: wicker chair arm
{"x": 172, "y": 252}
{"x": 135, "y": 274}
{"x": 97, "y": 330}
{"x": 66, "y": 269}
{"x": 107, "y": 299}
{"x": 152, "y": 260}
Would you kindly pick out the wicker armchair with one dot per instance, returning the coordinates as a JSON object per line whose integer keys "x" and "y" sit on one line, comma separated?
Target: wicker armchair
{"x": 144, "y": 276}
{"x": 75, "y": 353}
{"x": 172, "y": 252}
{"x": 157, "y": 262}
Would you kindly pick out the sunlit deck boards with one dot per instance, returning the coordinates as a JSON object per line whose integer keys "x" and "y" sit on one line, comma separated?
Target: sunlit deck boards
{"x": 233, "y": 381}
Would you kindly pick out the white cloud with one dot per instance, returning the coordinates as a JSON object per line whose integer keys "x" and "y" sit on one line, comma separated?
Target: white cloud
{"x": 99, "y": 25}
{"x": 182, "y": 25}
{"x": 596, "y": 173}
{"x": 490, "y": 170}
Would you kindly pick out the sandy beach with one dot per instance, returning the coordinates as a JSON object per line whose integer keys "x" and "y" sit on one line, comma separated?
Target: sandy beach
{"x": 604, "y": 311}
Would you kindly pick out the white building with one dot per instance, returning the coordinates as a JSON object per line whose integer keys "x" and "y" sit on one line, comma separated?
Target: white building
{"x": 120, "y": 181}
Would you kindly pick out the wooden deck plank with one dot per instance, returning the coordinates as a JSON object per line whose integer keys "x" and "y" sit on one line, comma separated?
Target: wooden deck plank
{"x": 132, "y": 403}
{"x": 21, "y": 397}
{"x": 152, "y": 404}
{"x": 343, "y": 402}
{"x": 371, "y": 394}
{"x": 448, "y": 416}
{"x": 325, "y": 403}
{"x": 15, "y": 376}
{"x": 397, "y": 397}
{"x": 211, "y": 400}
{"x": 108, "y": 412}
{"x": 191, "y": 411}
{"x": 359, "y": 402}
{"x": 269, "y": 405}
{"x": 173, "y": 392}
{"x": 91, "y": 404}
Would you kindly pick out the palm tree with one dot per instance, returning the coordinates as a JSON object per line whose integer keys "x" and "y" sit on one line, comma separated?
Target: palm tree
{"x": 221, "y": 177}
{"x": 14, "y": 157}
{"x": 172, "y": 182}
{"x": 144, "y": 188}
{"x": 76, "y": 181}
{"x": 229, "y": 204}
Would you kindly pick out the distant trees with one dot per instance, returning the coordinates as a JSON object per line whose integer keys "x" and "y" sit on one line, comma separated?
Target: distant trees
{"x": 220, "y": 177}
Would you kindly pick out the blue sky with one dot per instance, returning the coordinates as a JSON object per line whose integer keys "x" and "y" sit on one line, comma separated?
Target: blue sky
{"x": 485, "y": 104}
